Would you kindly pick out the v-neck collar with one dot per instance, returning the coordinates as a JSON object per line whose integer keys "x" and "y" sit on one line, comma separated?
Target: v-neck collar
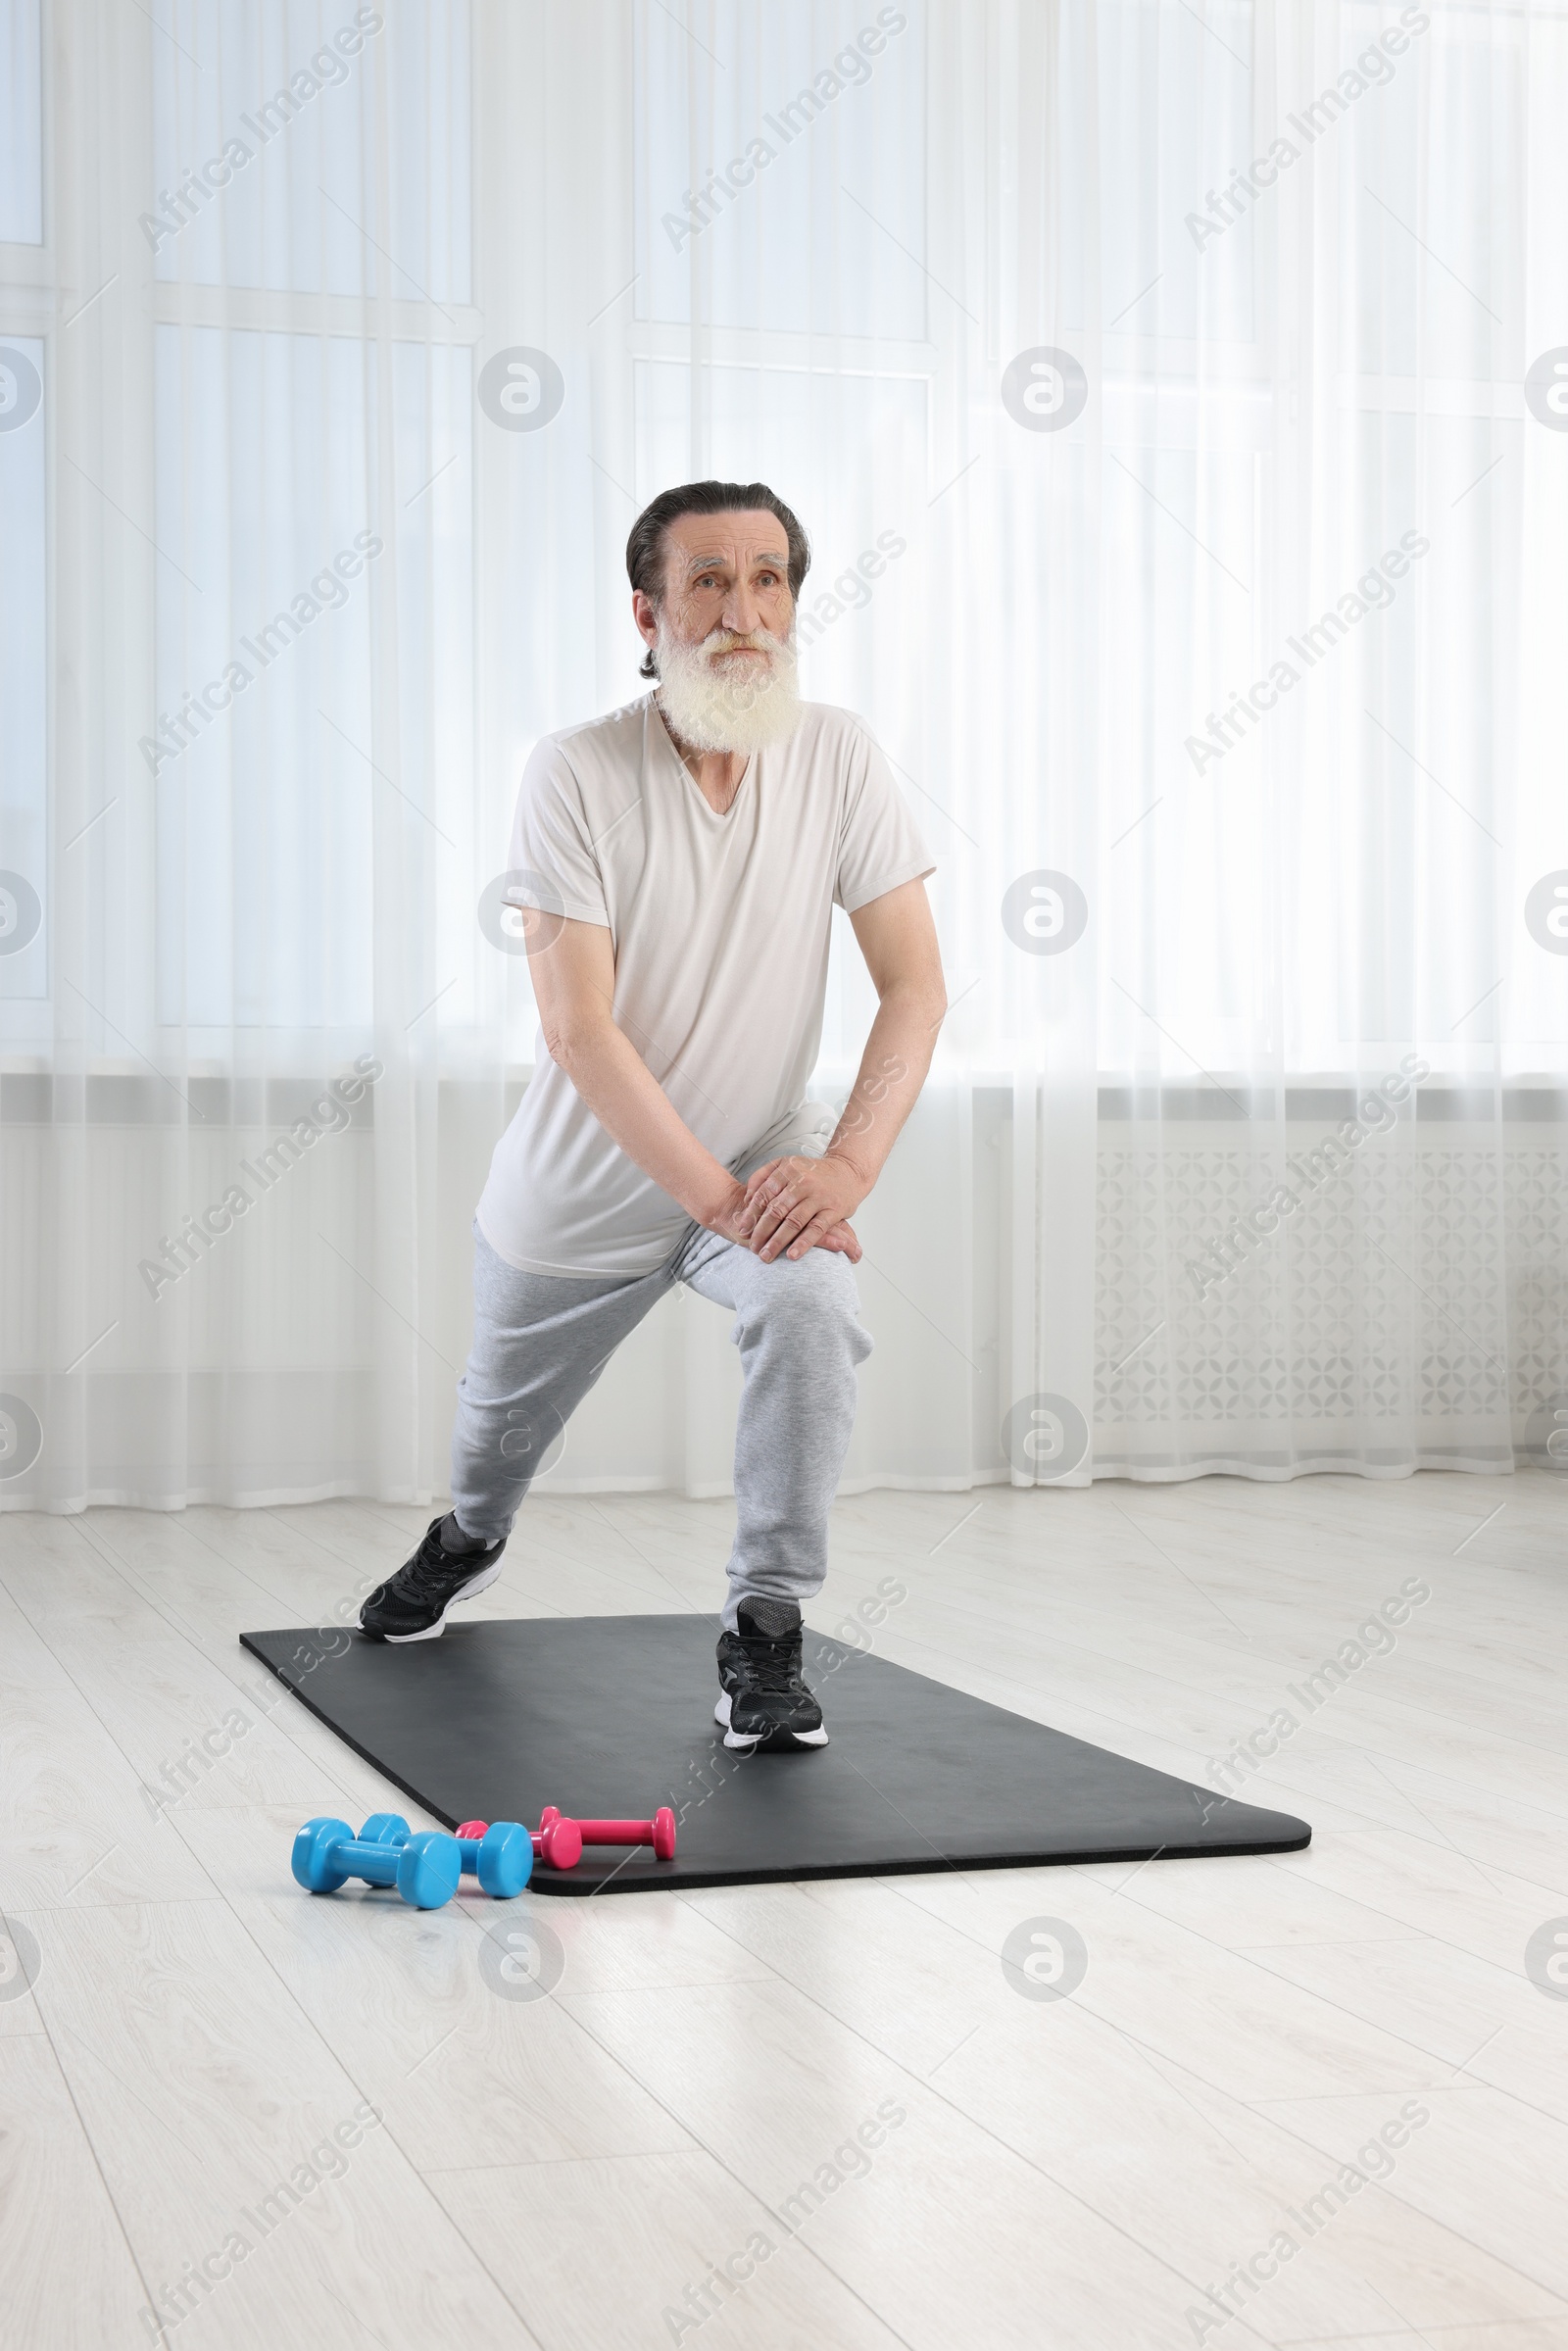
{"x": 718, "y": 815}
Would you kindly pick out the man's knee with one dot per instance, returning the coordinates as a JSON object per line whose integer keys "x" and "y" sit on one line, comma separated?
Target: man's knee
{"x": 809, "y": 1306}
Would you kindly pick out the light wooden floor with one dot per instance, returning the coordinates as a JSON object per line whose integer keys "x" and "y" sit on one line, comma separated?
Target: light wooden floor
{"x": 565, "y": 2171}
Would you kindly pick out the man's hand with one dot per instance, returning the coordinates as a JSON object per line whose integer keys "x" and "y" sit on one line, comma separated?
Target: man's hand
{"x": 794, "y": 1205}
{"x": 736, "y": 1219}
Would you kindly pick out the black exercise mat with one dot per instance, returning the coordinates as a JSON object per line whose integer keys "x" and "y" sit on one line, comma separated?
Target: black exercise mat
{"x": 608, "y": 1717}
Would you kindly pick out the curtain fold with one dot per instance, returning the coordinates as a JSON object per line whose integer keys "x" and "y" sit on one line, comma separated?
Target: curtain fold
{"x": 1177, "y": 401}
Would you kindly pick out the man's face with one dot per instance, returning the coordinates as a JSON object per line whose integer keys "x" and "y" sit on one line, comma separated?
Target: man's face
{"x": 726, "y": 577}
{"x": 722, "y": 633}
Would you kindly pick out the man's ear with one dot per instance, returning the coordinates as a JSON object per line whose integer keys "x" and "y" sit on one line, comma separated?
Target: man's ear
{"x": 645, "y": 616}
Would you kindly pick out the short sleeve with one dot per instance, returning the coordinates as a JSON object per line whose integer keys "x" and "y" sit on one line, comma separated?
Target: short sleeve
{"x": 880, "y": 845}
{"x": 552, "y": 861}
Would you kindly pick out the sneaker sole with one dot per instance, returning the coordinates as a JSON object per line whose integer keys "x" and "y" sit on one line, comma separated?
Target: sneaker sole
{"x": 480, "y": 1583}
{"x": 781, "y": 1742}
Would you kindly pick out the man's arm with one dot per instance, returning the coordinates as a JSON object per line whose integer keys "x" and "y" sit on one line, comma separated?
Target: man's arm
{"x": 573, "y": 974}
{"x": 791, "y": 1202}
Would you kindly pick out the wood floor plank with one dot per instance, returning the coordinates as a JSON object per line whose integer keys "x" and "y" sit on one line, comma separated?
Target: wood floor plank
{"x": 935, "y": 2223}
{"x": 167, "y": 1704}
{"x": 1432, "y": 1888}
{"x": 78, "y": 1825}
{"x": 1491, "y": 2020}
{"x": 849, "y": 1943}
{"x": 1544, "y": 2334}
{"x": 67, "y": 2277}
{"x": 1485, "y": 2165}
{"x": 1207, "y": 2181}
{"x": 253, "y": 2175}
{"x": 652, "y": 2249}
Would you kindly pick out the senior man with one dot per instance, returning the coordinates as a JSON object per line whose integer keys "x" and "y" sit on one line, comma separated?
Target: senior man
{"x": 679, "y": 862}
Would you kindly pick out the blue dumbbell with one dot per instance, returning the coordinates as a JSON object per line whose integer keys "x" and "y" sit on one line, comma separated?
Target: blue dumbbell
{"x": 501, "y": 1856}
{"x": 424, "y": 1868}
{"x": 385, "y": 1829}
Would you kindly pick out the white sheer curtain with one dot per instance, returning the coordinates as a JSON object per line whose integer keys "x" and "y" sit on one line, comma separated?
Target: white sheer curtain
{"x": 1175, "y": 399}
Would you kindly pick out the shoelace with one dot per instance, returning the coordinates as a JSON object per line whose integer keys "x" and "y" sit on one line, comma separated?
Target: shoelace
{"x": 775, "y": 1663}
{"x": 429, "y": 1572}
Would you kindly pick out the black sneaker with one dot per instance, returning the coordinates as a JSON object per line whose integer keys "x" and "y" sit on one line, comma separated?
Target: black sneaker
{"x": 413, "y": 1604}
{"x": 765, "y": 1703}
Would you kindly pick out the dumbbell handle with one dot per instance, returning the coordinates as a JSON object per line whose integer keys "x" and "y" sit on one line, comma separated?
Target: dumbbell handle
{"x": 377, "y": 1865}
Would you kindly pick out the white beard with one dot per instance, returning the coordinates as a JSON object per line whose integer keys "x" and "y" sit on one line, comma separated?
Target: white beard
{"x": 742, "y": 711}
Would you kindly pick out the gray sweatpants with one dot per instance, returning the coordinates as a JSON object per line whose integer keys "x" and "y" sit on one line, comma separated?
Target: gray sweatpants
{"x": 541, "y": 1341}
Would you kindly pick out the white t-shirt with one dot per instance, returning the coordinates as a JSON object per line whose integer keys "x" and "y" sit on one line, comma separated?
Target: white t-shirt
{"x": 720, "y": 929}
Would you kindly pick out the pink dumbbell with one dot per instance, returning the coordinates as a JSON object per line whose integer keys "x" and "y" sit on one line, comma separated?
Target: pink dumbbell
{"x": 659, "y": 1832}
{"x": 558, "y": 1840}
